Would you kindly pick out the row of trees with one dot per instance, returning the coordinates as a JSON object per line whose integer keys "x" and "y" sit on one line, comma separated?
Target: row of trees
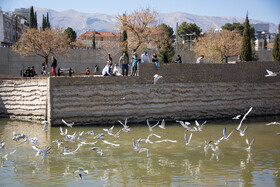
{"x": 139, "y": 30}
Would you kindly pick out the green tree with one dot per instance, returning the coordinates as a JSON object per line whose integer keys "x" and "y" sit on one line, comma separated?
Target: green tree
{"x": 35, "y": 21}
{"x": 124, "y": 42}
{"x": 265, "y": 43}
{"x": 276, "y": 47}
{"x": 71, "y": 34}
{"x": 240, "y": 28}
{"x": 48, "y": 25}
{"x": 165, "y": 45}
{"x": 169, "y": 30}
{"x": 93, "y": 41}
{"x": 246, "y": 48}
{"x": 43, "y": 22}
{"x": 188, "y": 28}
{"x": 31, "y": 18}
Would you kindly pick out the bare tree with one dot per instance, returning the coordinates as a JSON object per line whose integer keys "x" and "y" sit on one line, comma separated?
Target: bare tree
{"x": 42, "y": 43}
{"x": 138, "y": 26}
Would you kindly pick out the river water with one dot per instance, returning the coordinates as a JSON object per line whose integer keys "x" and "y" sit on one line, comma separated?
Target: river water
{"x": 168, "y": 164}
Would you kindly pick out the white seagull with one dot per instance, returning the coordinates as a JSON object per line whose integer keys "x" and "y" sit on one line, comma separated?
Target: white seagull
{"x": 162, "y": 125}
{"x": 109, "y": 143}
{"x": 151, "y": 127}
{"x": 226, "y": 137}
{"x": 249, "y": 144}
{"x": 42, "y": 152}
{"x": 273, "y": 123}
{"x": 156, "y": 78}
{"x": 184, "y": 124}
{"x": 244, "y": 117}
{"x": 99, "y": 151}
{"x": 237, "y": 117}
{"x": 68, "y": 124}
{"x": 186, "y": 138}
{"x": 73, "y": 152}
{"x": 270, "y": 73}
{"x": 242, "y": 132}
{"x": 81, "y": 172}
{"x": 148, "y": 138}
{"x": 166, "y": 140}
{"x": 63, "y": 133}
{"x": 125, "y": 126}
{"x": 200, "y": 126}
{"x": 45, "y": 125}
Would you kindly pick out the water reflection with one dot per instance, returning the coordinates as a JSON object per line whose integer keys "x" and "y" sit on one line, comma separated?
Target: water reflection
{"x": 169, "y": 163}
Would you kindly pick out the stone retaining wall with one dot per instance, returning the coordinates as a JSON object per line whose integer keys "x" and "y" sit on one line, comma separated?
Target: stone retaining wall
{"x": 23, "y": 99}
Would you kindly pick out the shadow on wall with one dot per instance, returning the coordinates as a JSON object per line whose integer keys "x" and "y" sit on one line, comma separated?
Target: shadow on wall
{"x": 3, "y": 111}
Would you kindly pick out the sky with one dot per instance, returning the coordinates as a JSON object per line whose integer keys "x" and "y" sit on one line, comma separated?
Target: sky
{"x": 263, "y": 10}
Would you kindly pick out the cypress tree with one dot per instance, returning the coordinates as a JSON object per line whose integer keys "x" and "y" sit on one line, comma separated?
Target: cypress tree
{"x": 93, "y": 40}
{"x": 246, "y": 50}
{"x": 124, "y": 42}
{"x": 43, "y": 22}
{"x": 31, "y": 18}
{"x": 276, "y": 47}
{"x": 48, "y": 25}
{"x": 265, "y": 43}
{"x": 35, "y": 21}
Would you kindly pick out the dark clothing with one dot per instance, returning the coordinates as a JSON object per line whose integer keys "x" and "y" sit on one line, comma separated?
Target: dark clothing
{"x": 54, "y": 64}
{"x": 178, "y": 59}
{"x": 165, "y": 59}
{"x": 125, "y": 68}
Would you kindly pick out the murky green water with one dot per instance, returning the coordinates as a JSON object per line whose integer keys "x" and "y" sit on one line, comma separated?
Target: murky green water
{"x": 168, "y": 164}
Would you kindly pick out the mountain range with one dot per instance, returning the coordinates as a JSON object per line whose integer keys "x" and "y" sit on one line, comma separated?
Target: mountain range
{"x": 82, "y": 22}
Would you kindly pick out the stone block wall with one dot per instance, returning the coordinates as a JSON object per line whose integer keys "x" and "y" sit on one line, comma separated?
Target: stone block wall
{"x": 23, "y": 99}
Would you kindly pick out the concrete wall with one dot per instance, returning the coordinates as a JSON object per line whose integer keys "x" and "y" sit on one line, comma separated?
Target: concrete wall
{"x": 23, "y": 99}
{"x": 186, "y": 91}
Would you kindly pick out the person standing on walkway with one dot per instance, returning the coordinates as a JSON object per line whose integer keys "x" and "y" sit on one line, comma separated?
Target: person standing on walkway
{"x": 54, "y": 64}
{"x": 200, "y": 60}
{"x": 123, "y": 63}
{"x": 134, "y": 65}
{"x": 145, "y": 57}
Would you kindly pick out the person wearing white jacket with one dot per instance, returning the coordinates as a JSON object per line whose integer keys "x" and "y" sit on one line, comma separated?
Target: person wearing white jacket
{"x": 145, "y": 57}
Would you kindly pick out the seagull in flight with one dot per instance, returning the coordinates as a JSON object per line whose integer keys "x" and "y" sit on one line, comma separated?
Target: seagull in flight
{"x": 58, "y": 143}
{"x": 125, "y": 126}
{"x": 166, "y": 140}
{"x": 68, "y": 124}
{"x": 200, "y": 126}
{"x": 250, "y": 144}
{"x": 73, "y": 152}
{"x": 270, "y": 73}
{"x": 42, "y": 152}
{"x": 162, "y": 125}
{"x": 45, "y": 125}
{"x": 244, "y": 117}
{"x": 186, "y": 138}
{"x": 147, "y": 140}
{"x": 109, "y": 143}
{"x": 226, "y": 137}
{"x": 99, "y": 151}
{"x": 151, "y": 127}
{"x": 90, "y": 133}
{"x": 242, "y": 132}
{"x": 81, "y": 172}
{"x": 2, "y": 145}
{"x": 184, "y": 124}
{"x": 138, "y": 149}
{"x": 237, "y": 117}
{"x": 273, "y": 123}
{"x": 63, "y": 133}
{"x": 156, "y": 78}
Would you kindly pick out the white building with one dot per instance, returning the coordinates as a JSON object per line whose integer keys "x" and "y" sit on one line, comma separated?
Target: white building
{"x": 11, "y": 28}
{"x": 261, "y": 32}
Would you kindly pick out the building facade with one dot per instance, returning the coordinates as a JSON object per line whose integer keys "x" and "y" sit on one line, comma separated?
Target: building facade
{"x": 12, "y": 27}
{"x": 262, "y": 33}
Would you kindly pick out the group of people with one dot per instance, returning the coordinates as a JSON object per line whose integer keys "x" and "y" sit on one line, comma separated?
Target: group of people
{"x": 29, "y": 72}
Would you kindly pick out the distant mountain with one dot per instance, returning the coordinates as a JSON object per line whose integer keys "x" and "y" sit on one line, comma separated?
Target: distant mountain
{"x": 82, "y": 22}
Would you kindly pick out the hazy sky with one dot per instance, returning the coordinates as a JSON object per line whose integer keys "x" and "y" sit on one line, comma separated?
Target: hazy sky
{"x": 264, "y": 10}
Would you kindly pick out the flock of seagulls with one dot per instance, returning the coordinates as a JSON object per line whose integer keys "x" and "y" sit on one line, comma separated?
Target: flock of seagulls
{"x": 190, "y": 132}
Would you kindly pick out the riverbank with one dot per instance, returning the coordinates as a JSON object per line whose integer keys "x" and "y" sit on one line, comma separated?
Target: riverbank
{"x": 186, "y": 91}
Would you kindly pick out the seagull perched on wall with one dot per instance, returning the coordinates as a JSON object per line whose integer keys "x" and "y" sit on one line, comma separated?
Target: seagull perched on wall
{"x": 270, "y": 73}
{"x": 68, "y": 124}
{"x": 156, "y": 78}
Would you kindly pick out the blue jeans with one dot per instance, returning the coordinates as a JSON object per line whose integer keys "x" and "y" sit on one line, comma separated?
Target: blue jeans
{"x": 125, "y": 67}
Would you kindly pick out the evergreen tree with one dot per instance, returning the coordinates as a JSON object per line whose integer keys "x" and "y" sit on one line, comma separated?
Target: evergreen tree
{"x": 276, "y": 47}
{"x": 48, "y": 25}
{"x": 246, "y": 50}
{"x": 165, "y": 46}
{"x": 35, "y": 21}
{"x": 31, "y": 18}
{"x": 124, "y": 42}
{"x": 265, "y": 43}
{"x": 71, "y": 34}
{"x": 43, "y": 22}
{"x": 93, "y": 40}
